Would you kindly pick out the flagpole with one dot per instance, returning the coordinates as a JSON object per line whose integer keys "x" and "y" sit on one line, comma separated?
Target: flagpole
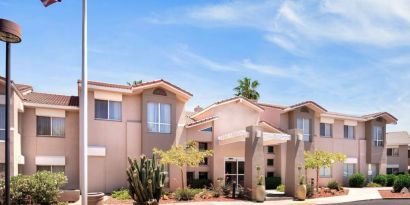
{"x": 84, "y": 113}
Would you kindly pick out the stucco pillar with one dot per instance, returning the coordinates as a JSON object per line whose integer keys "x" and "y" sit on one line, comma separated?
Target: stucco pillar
{"x": 294, "y": 159}
{"x": 253, "y": 157}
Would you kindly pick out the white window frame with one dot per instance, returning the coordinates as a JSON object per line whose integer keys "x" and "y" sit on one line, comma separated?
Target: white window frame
{"x": 326, "y": 135}
{"x": 51, "y": 127}
{"x": 345, "y": 171}
{"x": 51, "y": 167}
{"x": 378, "y": 136}
{"x": 108, "y": 110}
{"x": 346, "y": 135}
{"x": 323, "y": 173}
{"x": 159, "y": 123}
{"x": 306, "y": 137}
{"x": 394, "y": 152}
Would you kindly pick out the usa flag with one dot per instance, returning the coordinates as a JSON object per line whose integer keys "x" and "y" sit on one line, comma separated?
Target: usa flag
{"x": 49, "y": 2}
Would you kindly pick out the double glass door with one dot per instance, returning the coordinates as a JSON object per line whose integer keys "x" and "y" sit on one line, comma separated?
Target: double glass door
{"x": 235, "y": 170}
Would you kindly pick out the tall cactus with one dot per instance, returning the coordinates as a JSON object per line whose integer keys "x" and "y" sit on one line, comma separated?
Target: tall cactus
{"x": 146, "y": 180}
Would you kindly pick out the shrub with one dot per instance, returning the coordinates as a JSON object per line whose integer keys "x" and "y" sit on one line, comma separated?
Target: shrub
{"x": 2, "y": 191}
{"x": 357, "y": 180}
{"x": 47, "y": 187}
{"x": 199, "y": 183}
{"x": 373, "y": 184}
{"x": 401, "y": 182}
{"x": 22, "y": 189}
{"x": 390, "y": 178}
{"x": 121, "y": 194}
{"x": 272, "y": 182}
{"x": 333, "y": 185}
{"x": 381, "y": 180}
{"x": 281, "y": 188}
{"x": 186, "y": 194}
{"x": 309, "y": 190}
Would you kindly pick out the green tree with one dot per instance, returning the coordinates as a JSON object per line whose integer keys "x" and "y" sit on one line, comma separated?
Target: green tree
{"x": 317, "y": 159}
{"x": 134, "y": 83}
{"x": 183, "y": 156}
{"x": 247, "y": 88}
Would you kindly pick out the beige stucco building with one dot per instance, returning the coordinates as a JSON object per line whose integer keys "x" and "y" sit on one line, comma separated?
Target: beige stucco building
{"x": 127, "y": 121}
{"x": 398, "y": 152}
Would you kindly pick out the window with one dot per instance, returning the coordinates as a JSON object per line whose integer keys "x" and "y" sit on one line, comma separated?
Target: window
{"x": 392, "y": 170}
{"x": 348, "y": 169}
{"x": 2, "y": 170}
{"x": 51, "y": 168}
{"x": 108, "y": 110}
{"x": 325, "y": 130}
{"x": 202, "y": 146}
{"x": 393, "y": 152}
{"x": 270, "y": 150}
{"x": 208, "y": 129}
{"x": 270, "y": 174}
{"x": 159, "y": 117}
{"x": 303, "y": 124}
{"x": 2, "y": 123}
{"x": 189, "y": 177}
{"x": 408, "y": 153}
{"x": 325, "y": 172}
{"x": 50, "y": 126}
{"x": 378, "y": 136}
{"x": 349, "y": 132}
{"x": 269, "y": 162}
{"x": 202, "y": 175}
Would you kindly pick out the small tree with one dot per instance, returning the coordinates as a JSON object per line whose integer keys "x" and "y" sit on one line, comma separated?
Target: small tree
{"x": 247, "y": 88}
{"x": 318, "y": 159}
{"x": 134, "y": 83}
{"x": 183, "y": 156}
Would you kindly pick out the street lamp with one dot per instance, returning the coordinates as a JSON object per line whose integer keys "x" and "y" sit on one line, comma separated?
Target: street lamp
{"x": 10, "y": 32}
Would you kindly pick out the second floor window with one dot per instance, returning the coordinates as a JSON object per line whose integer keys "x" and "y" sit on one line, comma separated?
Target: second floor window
{"x": 159, "y": 117}
{"x": 51, "y": 168}
{"x": 393, "y": 152}
{"x": 378, "y": 136}
{"x": 50, "y": 126}
{"x": 303, "y": 124}
{"x": 325, "y": 130}
{"x": 107, "y": 110}
{"x": 349, "y": 132}
{"x": 325, "y": 172}
{"x": 2, "y": 122}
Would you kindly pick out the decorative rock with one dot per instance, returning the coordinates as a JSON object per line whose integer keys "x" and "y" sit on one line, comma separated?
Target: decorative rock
{"x": 404, "y": 191}
{"x": 327, "y": 190}
{"x": 333, "y": 191}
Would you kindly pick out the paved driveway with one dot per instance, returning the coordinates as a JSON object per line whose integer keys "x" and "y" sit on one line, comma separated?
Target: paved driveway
{"x": 379, "y": 202}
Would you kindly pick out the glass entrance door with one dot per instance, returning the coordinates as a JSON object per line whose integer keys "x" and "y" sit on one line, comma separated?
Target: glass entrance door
{"x": 235, "y": 170}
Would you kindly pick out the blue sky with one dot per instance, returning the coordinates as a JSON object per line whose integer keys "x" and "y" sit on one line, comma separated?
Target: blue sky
{"x": 349, "y": 56}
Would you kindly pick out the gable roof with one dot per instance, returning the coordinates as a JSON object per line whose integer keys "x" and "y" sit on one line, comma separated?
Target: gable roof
{"x": 387, "y": 116}
{"x": 51, "y": 99}
{"x": 201, "y": 121}
{"x": 397, "y": 138}
{"x": 236, "y": 99}
{"x": 311, "y": 104}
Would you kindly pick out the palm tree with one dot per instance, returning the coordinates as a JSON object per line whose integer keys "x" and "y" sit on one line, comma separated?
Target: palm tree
{"x": 247, "y": 88}
{"x": 134, "y": 83}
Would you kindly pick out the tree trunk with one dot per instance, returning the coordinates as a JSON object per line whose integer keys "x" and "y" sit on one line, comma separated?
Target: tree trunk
{"x": 317, "y": 178}
{"x": 182, "y": 178}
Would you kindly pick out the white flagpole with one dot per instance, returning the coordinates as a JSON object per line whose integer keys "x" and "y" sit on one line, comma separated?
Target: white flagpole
{"x": 84, "y": 113}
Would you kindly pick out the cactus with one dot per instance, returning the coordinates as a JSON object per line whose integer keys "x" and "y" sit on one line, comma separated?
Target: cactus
{"x": 146, "y": 180}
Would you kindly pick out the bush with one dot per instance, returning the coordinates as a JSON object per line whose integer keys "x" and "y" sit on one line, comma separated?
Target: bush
{"x": 272, "y": 182}
{"x": 333, "y": 185}
{"x": 309, "y": 190}
{"x": 199, "y": 183}
{"x": 186, "y": 194}
{"x": 390, "y": 178}
{"x": 357, "y": 180}
{"x": 401, "y": 182}
{"x": 281, "y": 188}
{"x": 2, "y": 191}
{"x": 121, "y": 194}
{"x": 47, "y": 187}
{"x": 373, "y": 184}
{"x": 381, "y": 180}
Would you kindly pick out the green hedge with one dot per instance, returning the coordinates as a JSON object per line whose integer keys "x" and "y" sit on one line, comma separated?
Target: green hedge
{"x": 380, "y": 179}
{"x": 357, "y": 180}
{"x": 401, "y": 182}
{"x": 272, "y": 182}
{"x": 334, "y": 185}
{"x": 39, "y": 188}
{"x": 390, "y": 179}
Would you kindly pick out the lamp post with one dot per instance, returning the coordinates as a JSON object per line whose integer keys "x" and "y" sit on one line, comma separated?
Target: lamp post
{"x": 10, "y": 32}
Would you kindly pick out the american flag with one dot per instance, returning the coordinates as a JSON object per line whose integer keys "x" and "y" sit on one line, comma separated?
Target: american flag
{"x": 49, "y": 2}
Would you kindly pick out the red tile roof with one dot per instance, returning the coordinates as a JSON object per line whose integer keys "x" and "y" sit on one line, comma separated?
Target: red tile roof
{"x": 51, "y": 99}
{"x": 308, "y": 102}
{"x": 23, "y": 87}
{"x": 208, "y": 119}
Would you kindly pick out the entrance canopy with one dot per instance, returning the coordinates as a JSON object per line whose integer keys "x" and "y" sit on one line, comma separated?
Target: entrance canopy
{"x": 269, "y": 138}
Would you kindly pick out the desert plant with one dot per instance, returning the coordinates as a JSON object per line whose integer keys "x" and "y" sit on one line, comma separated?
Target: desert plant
{"x": 357, "y": 180}
{"x": 247, "y": 88}
{"x": 146, "y": 180}
{"x": 217, "y": 188}
{"x": 281, "y": 188}
{"x": 186, "y": 194}
{"x": 260, "y": 178}
{"x": 390, "y": 178}
{"x": 401, "y": 182}
{"x": 309, "y": 190}
{"x": 373, "y": 184}
{"x": 121, "y": 194}
{"x": 333, "y": 185}
{"x": 272, "y": 182}
{"x": 380, "y": 179}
